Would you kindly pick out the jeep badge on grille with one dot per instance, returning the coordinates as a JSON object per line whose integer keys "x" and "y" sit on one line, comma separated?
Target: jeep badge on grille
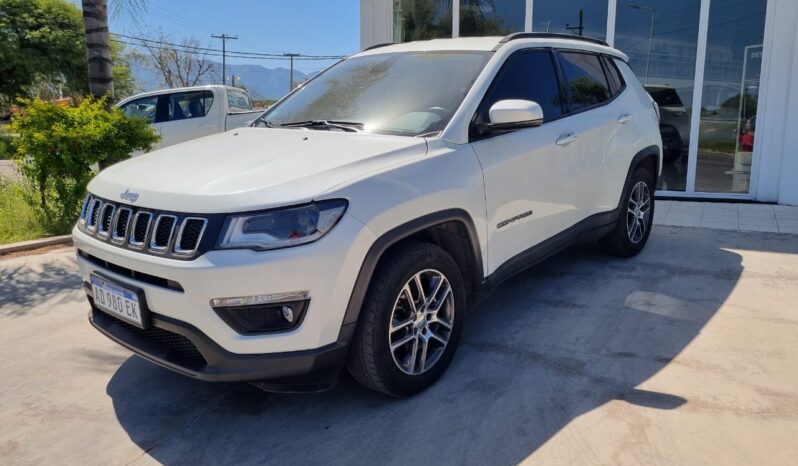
{"x": 128, "y": 196}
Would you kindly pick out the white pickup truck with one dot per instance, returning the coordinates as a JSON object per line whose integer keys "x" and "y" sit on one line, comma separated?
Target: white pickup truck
{"x": 188, "y": 113}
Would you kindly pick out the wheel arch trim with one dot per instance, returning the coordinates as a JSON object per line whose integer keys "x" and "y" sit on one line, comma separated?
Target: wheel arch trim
{"x": 392, "y": 237}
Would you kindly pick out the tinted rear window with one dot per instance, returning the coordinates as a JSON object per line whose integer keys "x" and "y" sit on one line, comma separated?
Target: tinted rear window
{"x": 585, "y": 80}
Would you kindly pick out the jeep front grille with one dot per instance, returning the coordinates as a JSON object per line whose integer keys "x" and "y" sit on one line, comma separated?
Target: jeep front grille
{"x": 167, "y": 234}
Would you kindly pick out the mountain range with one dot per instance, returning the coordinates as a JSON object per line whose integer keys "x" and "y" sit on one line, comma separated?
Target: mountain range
{"x": 260, "y": 82}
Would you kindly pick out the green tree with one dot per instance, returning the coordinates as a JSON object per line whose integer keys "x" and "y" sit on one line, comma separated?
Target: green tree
{"x": 40, "y": 40}
{"x": 58, "y": 145}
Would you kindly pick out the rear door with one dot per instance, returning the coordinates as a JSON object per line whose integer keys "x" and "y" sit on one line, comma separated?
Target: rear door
{"x": 530, "y": 174}
{"x": 188, "y": 115}
{"x": 592, "y": 115}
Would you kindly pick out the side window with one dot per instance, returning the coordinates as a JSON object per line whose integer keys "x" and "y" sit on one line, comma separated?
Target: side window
{"x": 238, "y": 101}
{"x": 587, "y": 85}
{"x": 527, "y": 75}
{"x": 614, "y": 76}
{"x": 187, "y": 105}
{"x": 141, "y": 108}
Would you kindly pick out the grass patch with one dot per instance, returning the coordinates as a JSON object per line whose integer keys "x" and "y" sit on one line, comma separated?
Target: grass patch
{"x": 18, "y": 220}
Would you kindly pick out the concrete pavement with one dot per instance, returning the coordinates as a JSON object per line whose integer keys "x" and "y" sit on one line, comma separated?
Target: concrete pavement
{"x": 683, "y": 355}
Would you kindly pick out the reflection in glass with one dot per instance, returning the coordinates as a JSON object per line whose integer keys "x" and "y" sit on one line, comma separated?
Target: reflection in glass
{"x": 580, "y": 17}
{"x": 661, "y": 39}
{"x": 421, "y": 19}
{"x": 491, "y": 17}
{"x": 729, "y": 98}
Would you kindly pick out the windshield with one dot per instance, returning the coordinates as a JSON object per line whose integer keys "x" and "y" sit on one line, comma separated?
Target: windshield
{"x": 404, "y": 93}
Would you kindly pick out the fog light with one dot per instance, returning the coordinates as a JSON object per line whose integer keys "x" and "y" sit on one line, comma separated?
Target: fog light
{"x": 288, "y": 314}
{"x": 258, "y": 315}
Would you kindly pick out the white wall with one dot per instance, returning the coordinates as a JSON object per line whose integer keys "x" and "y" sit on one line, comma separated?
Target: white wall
{"x": 777, "y": 120}
{"x": 375, "y": 22}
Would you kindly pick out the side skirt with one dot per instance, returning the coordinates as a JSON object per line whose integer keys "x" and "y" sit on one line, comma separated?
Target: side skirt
{"x": 595, "y": 226}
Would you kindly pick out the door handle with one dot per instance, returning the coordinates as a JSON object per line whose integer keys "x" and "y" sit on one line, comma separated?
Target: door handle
{"x": 566, "y": 139}
{"x": 624, "y": 118}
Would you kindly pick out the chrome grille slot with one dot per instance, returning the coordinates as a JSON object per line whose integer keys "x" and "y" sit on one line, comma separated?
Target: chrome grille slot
{"x": 169, "y": 234}
{"x": 106, "y": 219}
{"x": 122, "y": 221}
{"x": 138, "y": 233}
{"x": 93, "y": 214}
{"x": 84, "y": 209}
{"x": 189, "y": 235}
{"x": 162, "y": 233}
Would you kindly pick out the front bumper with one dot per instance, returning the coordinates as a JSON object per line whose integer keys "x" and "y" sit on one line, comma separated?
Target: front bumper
{"x": 178, "y": 295}
{"x": 183, "y": 348}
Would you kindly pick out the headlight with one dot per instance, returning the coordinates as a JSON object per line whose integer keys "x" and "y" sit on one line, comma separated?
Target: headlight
{"x": 282, "y": 228}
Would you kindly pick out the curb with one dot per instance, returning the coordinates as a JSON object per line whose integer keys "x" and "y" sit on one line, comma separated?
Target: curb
{"x": 65, "y": 240}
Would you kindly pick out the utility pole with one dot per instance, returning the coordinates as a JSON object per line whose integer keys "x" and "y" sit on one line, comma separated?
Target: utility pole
{"x": 225, "y": 38}
{"x": 581, "y": 26}
{"x": 291, "y": 57}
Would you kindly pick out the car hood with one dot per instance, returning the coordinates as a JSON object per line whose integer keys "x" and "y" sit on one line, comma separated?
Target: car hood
{"x": 251, "y": 168}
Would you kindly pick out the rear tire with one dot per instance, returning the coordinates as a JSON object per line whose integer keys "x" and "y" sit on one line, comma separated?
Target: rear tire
{"x": 405, "y": 338}
{"x": 631, "y": 232}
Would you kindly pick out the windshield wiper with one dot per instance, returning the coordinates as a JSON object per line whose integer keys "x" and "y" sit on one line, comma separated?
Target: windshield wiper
{"x": 261, "y": 122}
{"x": 350, "y": 126}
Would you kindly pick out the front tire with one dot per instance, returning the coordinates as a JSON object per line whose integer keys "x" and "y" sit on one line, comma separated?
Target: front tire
{"x": 633, "y": 228}
{"x": 411, "y": 321}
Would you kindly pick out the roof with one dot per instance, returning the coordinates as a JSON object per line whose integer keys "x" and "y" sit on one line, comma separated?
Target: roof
{"x": 177, "y": 89}
{"x": 493, "y": 43}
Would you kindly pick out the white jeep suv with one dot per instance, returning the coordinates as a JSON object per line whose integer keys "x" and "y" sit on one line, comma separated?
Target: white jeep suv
{"x": 353, "y": 224}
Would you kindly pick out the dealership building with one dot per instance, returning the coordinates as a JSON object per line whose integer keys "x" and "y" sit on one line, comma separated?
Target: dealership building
{"x": 724, "y": 72}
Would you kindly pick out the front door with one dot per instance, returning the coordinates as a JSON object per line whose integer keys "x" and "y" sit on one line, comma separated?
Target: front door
{"x": 531, "y": 174}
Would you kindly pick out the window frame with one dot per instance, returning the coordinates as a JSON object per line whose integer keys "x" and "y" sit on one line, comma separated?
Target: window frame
{"x": 600, "y": 56}
{"x": 473, "y": 135}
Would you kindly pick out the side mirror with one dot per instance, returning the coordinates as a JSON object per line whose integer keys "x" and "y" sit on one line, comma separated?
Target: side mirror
{"x": 512, "y": 114}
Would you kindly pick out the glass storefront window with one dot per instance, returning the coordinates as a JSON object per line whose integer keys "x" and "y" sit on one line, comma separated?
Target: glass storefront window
{"x": 421, "y": 19}
{"x": 729, "y": 98}
{"x": 581, "y": 17}
{"x": 661, "y": 39}
{"x": 491, "y": 17}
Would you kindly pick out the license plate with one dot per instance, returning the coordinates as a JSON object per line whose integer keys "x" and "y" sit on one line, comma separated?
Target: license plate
{"x": 117, "y": 300}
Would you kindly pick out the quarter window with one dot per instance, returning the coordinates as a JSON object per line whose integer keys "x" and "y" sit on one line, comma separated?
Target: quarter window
{"x": 613, "y": 75}
{"x": 526, "y": 75}
{"x": 587, "y": 85}
{"x": 238, "y": 101}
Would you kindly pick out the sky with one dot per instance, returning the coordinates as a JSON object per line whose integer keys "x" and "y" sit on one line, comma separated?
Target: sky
{"x": 311, "y": 27}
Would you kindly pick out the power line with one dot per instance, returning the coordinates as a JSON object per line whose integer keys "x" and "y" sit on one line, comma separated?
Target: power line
{"x": 229, "y": 54}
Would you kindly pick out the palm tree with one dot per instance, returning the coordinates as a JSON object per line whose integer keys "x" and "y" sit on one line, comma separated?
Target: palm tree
{"x": 98, "y": 47}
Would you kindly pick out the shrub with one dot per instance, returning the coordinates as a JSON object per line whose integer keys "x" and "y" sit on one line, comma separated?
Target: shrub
{"x": 57, "y": 147}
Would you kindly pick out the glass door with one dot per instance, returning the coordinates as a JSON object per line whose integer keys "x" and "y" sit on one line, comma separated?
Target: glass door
{"x": 729, "y": 96}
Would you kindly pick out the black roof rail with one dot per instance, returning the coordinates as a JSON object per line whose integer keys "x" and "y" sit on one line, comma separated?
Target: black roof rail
{"x": 549, "y": 35}
{"x": 376, "y": 46}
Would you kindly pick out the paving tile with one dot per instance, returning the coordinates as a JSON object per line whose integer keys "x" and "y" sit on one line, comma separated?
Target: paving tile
{"x": 719, "y": 226}
{"x": 759, "y": 227}
{"x": 682, "y": 220}
{"x": 730, "y": 219}
{"x": 787, "y": 214}
{"x": 785, "y": 208}
{"x": 720, "y": 208}
{"x": 787, "y": 224}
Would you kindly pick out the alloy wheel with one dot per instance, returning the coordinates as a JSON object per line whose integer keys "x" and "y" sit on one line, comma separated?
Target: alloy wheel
{"x": 638, "y": 212}
{"x": 421, "y": 322}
